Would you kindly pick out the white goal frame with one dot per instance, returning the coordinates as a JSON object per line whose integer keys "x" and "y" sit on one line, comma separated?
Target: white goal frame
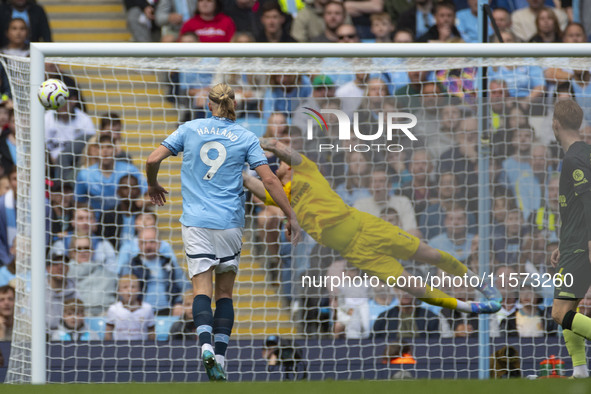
{"x": 40, "y": 51}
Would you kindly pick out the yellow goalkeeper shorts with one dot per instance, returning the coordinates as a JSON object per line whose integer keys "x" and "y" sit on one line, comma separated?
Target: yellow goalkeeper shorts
{"x": 377, "y": 246}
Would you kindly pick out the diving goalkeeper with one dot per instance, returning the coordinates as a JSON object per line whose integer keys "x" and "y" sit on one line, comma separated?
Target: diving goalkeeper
{"x": 366, "y": 241}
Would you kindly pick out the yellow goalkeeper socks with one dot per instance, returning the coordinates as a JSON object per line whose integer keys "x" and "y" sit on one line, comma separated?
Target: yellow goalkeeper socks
{"x": 575, "y": 344}
{"x": 451, "y": 265}
{"x": 439, "y": 298}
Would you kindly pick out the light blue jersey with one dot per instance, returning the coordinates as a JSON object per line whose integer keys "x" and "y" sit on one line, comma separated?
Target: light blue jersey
{"x": 215, "y": 150}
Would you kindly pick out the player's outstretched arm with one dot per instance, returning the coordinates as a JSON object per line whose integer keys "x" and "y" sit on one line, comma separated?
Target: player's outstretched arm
{"x": 282, "y": 151}
{"x": 255, "y": 186}
{"x": 156, "y": 192}
{"x": 275, "y": 189}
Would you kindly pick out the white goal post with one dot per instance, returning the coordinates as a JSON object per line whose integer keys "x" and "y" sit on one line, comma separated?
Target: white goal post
{"x": 41, "y": 51}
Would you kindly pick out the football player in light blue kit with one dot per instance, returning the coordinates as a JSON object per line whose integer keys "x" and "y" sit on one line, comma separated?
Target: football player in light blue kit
{"x": 214, "y": 152}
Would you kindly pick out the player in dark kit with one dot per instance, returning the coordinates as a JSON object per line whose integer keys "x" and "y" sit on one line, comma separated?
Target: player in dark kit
{"x": 573, "y": 257}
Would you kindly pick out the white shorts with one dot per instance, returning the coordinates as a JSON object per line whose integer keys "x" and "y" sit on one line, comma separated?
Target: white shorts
{"x": 206, "y": 248}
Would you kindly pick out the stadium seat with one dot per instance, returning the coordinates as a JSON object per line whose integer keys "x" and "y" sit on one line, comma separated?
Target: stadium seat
{"x": 97, "y": 324}
{"x": 163, "y": 324}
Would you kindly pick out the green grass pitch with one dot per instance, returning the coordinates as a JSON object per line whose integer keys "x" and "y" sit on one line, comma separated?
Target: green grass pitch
{"x": 520, "y": 386}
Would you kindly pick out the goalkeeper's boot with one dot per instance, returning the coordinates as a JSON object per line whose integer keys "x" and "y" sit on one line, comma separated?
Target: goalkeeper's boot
{"x": 490, "y": 292}
{"x": 219, "y": 373}
{"x": 209, "y": 363}
{"x": 486, "y": 307}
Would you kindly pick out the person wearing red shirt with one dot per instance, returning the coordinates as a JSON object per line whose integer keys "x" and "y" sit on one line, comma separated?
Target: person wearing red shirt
{"x": 209, "y": 23}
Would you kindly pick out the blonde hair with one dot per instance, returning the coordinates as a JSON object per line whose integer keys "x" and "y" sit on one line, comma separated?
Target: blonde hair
{"x": 222, "y": 96}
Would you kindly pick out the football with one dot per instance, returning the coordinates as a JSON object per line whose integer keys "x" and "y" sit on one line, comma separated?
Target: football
{"x": 53, "y": 93}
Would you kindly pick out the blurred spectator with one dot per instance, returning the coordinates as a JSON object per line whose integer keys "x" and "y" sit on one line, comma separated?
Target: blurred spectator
{"x": 193, "y": 86}
{"x": 517, "y": 173}
{"x": 352, "y": 308}
{"x": 184, "y": 328}
{"x": 273, "y": 19}
{"x": 574, "y": 33}
{"x": 514, "y": 5}
{"x": 333, "y": 16}
{"x": 16, "y": 38}
{"x": 450, "y": 121}
{"x": 310, "y": 20}
{"x": 98, "y": 184}
{"x": 323, "y": 88}
{"x": 140, "y": 18}
{"x": 129, "y": 249}
{"x": 395, "y": 8}
{"x": 8, "y": 272}
{"x": 7, "y": 296}
{"x": 372, "y": 108}
{"x": 382, "y": 27}
{"x": 96, "y": 285}
{"x": 61, "y": 198}
{"x": 360, "y": 12}
{"x": 347, "y": 33}
{"x": 407, "y": 320}
{"x": 524, "y": 20}
{"x": 210, "y": 24}
{"x": 84, "y": 225}
{"x": 7, "y": 139}
{"x": 499, "y": 99}
{"x": 284, "y": 94}
{"x": 162, "y": 279}
{"x": 433, "y": 218}
{"x": 352, "y": 93}
{"x": 380, "y": 199}
{"x": 548, "y": 27}
{"x": 32, "y": 13}
{"x": 459, "y": 324}
{"x": 73, "y": 326}
{"x": 580, "y": 83}
{"x": 118, "y": 225}
{"x": 502, "y": 18}
{"x": 170, "y": 15}
{"x": 529, "y": 321}
{"x": 130, "y": 318}
{"x": 59, "y": 289}
{"x": 509, "y": 240}
{"x": 4, "y": 184}
{"x": 467, "y": 22}
{"x": 355, "y": 185}
{"x": 417, "y": 19}
{"x": 444, "y": 28}
{"x": 409, "y": 97}
{"x": 403, "y": 36}
{"x": 503, "y": 202}
{"x": 456, "y": 240}
{"x": 8, "y": 219}
{"x": 420, "y": 190}
{"x": 526, "y": 83}
{"x": 547, "y": 217}
{"x": 510, "y": 297}
{"x": 383, "y": 299}
{"x": 66, "y": 131}
{"x": 462, "y": 160}
{"x": 110, "y": 123}
{"x": 244, "y": 15}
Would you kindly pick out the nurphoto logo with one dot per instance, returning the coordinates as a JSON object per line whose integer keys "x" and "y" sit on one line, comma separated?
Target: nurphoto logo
{"x": 394, "y": 122}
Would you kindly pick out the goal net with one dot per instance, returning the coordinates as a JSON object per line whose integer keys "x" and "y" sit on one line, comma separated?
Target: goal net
{"x": 397, "y": 138}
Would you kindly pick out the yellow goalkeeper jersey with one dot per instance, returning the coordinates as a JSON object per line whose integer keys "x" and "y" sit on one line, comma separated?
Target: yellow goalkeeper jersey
{"x": 320, "y": 211}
